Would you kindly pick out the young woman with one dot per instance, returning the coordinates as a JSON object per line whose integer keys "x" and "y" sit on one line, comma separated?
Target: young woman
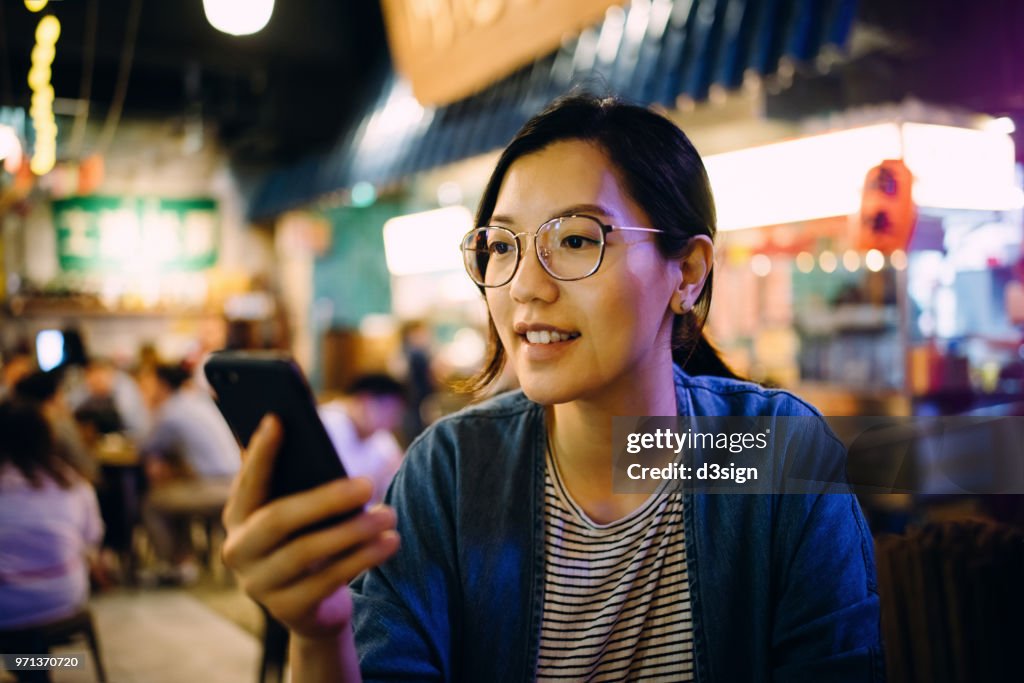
{"x": 518, "y": 559}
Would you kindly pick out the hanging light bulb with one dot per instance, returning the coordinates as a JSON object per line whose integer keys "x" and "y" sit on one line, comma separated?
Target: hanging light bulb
{"x": 238, "y": 17}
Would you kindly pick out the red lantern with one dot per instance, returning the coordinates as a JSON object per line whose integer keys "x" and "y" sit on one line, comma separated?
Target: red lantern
{"x": 887, "y": 211}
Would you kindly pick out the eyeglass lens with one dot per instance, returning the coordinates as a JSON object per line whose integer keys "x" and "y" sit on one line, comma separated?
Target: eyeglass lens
{"x": 568, "y": 249}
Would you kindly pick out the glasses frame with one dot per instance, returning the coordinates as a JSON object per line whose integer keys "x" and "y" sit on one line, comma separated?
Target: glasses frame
{"x": 605, "y": 229}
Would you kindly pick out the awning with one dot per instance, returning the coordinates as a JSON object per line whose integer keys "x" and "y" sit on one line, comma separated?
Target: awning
{"x": 649, "y": 52}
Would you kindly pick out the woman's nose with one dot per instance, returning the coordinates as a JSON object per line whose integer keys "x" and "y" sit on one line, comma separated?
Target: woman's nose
{"x": 531, "y": 281}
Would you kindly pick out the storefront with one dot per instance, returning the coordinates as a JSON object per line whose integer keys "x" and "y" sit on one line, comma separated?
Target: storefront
{"x": 155, "y": 252}
{"x": 907, "y": 316}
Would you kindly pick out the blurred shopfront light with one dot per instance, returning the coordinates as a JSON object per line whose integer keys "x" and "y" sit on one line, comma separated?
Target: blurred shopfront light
{"x": 449, "y": 193}
{"x": 874, "y": 260}
{"x": 400, "y": 112}
{"x": 35, "y": 5}
{"x": 466, "y": 350}
{"x": 828, "y": 262}
{"x": 238, "y": 17}
{"x": 823, "y": 175}
{"x": 851, "y": 260}
{"x": 49, "y": 349}
{"x": 378, "y": 325}
{"x": 10, "y": 149}
{"x": 363, "y": 194}
{"x": 805, "y": 261}
{"x": 898, "y": 260}
{"x": 426, "y": 242}
{"x": 761, "y": 264}
{"x": 1002, "y": 124}
{"x": 960, "y": 168}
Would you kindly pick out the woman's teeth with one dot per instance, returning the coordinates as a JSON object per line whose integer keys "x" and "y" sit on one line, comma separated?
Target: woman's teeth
{"x": 547, "y": 337}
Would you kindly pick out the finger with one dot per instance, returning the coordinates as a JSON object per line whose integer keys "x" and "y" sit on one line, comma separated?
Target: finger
{"x": 275, "y": 523}
{"x": 295, "y": 559}
{"x": 304, "y": 595}
{"x": 249, "y": 489}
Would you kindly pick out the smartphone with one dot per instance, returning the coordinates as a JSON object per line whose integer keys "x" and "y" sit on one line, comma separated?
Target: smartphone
{"x": 249, "y": 384}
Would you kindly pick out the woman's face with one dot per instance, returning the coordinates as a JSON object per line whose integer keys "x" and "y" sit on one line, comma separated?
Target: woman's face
{"x": 615, "y": 326}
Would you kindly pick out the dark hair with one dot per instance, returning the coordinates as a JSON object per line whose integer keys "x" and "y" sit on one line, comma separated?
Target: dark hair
{"x": 74, "y": 348}
{"x": 27, "y": 442}
{"x": 39, "y": 386}
{"x": 377, "y": 385}
{"x": 174, "y": 375}
{"x": 659, "y": 169}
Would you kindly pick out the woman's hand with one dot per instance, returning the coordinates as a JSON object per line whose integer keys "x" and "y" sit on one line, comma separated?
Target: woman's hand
{"x": 302, "y": 579}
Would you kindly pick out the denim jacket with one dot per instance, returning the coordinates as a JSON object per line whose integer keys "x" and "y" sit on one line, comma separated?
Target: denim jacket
{"x": 782, "y": 587}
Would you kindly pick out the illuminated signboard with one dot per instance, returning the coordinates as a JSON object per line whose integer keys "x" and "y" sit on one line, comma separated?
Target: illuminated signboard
{"x": 114, "y": 234}
{"x": 450, "y": 49}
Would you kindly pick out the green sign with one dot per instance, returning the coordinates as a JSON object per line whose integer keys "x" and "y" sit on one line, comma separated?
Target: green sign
{"x": 145, "y": 234}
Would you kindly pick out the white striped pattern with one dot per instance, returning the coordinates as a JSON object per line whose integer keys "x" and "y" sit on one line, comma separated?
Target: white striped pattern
{"x": 616, "y": 596}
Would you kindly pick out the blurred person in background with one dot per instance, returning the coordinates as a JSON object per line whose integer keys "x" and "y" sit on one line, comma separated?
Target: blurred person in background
{"x": 113, "y": 397}
{"x": 361, "y": 426}
{"x": 46, "y": 390}
{"x": 190, "y": 457}
{"x": 50, "y": 525}
{"x": 419, "y": 376}
{"x": 17, "y": 364}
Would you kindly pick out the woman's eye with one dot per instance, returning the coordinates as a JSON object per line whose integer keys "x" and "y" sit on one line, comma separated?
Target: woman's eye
{"x": 576, "y": 242}
{"x": 500, "y": 248}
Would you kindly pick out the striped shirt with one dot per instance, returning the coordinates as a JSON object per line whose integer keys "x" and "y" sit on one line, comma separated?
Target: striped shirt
{"x": 616, "y": 596}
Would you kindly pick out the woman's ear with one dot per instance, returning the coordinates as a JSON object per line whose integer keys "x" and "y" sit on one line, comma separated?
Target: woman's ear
{"x": 695, "y": 265}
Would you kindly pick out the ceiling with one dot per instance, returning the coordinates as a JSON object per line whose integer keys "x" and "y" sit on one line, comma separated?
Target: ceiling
{"x": 291, "y": 89}
{"x": 273, "y": 96}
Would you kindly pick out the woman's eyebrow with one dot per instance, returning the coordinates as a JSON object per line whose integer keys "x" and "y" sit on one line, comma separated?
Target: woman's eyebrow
{"x": 588, "y": 209}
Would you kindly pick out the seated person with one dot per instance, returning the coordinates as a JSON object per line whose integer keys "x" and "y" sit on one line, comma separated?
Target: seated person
{"x": 46, "y": 391}
{"x": 190, "y": 457}
{"x": 111, "y": 398}
{"x": 360, "y": 426}
{"x": 504, "y": 551}
{"x": 49, "y": 525}
{"x": 15, "y": 365}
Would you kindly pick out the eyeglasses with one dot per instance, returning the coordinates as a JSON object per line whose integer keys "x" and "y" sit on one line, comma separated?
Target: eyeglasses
{"x": 568, "y": 248}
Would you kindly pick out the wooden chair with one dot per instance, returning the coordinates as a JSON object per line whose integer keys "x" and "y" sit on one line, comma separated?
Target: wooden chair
{"x": 39, "y": 639}
{"x": 952, "y": 602}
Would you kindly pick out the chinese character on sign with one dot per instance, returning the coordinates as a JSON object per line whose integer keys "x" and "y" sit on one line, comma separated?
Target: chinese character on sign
{"x": 77, "y": 243}
{"x": 200, "y": 228}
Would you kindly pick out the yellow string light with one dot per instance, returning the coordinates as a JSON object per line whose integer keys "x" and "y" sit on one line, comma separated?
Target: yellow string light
{"x": 45, "y": 154}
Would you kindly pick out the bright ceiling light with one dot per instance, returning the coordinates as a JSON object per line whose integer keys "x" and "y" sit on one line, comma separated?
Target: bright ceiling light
{"x": 238, "y": 17}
